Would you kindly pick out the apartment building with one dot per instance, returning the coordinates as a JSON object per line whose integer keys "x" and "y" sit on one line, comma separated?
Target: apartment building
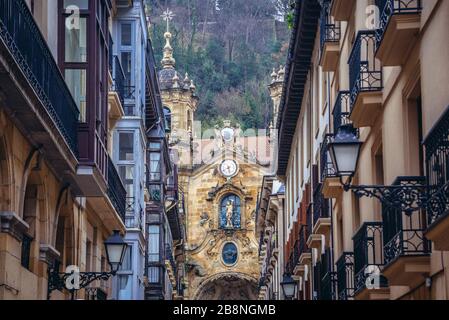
{"x": 371, "y": 75}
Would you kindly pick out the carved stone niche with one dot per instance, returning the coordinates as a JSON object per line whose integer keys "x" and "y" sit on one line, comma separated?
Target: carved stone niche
{"x": 12, "y": 224}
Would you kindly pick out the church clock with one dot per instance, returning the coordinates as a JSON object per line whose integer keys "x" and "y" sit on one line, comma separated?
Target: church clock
{"x": 229, "y": 168}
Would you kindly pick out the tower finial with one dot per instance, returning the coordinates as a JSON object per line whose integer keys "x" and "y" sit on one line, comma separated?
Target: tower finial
{"x": 168, "y": 61}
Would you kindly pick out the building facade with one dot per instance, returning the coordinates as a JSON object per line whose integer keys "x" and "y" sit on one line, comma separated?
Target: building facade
{"x": 219, "y": 178}
{"x": 130, "y": 38}
{"x": 62, "y": 195}
{"x": 372, "y": 67}
{"x": 79, "y": 128}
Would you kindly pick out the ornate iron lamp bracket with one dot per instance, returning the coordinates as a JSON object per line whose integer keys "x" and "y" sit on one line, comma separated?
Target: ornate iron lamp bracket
{"x": 59, "y": 280}
{"x": 408, "y": 197}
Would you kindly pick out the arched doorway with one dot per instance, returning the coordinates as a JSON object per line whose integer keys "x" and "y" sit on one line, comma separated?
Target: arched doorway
{"x": 228, "y": 286}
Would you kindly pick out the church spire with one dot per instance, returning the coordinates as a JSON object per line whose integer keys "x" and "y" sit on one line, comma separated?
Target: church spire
{"x": 168, "y": 62}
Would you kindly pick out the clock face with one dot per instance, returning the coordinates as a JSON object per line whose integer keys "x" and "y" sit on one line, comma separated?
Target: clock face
{"x": 228, "y": 168}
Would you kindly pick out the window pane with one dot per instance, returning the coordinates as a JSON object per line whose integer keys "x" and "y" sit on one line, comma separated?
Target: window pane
{"x": 153, "y": 274}
{"x": 76, "y": 81}
{"x": 155, "y": 145}
{"x": 126, "y": 146}
{"x": 127, "y": 259}
{"x": 127, "y": 176}
{"x": 125, "y": 287}
{"x": 155, "y": 170}
{"x": 126, "y": 34}
{"x": 76, "y": 40}
{"x": 155, "y": 192}
{"x": 81, "y": 4}
{"x": 153, "y": 243}
{"x": 126, "y": 65}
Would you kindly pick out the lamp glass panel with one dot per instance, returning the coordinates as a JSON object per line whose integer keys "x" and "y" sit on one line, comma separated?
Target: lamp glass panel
{"x": 346, "y": 157}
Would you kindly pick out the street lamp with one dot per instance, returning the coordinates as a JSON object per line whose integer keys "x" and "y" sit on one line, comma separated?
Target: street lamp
{"x": 73, "y": 281}
{"x": 288, "y": 286}
{"x": 345, "y": 151}
{"x": 409, "y": 195}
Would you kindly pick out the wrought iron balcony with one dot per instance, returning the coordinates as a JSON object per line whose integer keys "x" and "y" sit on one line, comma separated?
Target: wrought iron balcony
{"x": 21, "y": 36}
{"x": 119, "y": 80}
{"x": 330, "y": 33}
{"x": 309, "y": 220}
{"x": 437, "y": 168}
{"x": 111, "y": 55}
{"x": 365, "y": 80}
{"x": 403, "y": 230}
{"x": 342, "y": 110}
{"x": 399, "y": 24}
{"x": 321, "y": 217}
{"x": 325, "y": 279}
{"x": 345, "y": 276}
{"x": 368, "y": 257}
{"x": 92, "y": 293}
{"x": 116, "y": 190}
{"x": 326, "y": 167}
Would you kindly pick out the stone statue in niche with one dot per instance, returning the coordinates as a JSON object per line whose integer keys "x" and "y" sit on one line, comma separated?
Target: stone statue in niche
{"x": 229, "y": 214}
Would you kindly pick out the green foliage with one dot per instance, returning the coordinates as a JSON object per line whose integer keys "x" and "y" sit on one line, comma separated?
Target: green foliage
{"x": 229, "y": 48}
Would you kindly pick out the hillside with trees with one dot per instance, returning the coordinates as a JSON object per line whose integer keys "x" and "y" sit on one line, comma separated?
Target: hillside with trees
{"x": 229, "y": 48}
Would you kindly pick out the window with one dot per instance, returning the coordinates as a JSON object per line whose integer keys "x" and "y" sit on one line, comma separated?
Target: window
{"x": 155, "y": 166}
{"x": 127, "y": 176}
{"x": 126, "y": 34}
{"x": 26, "y": 251}
{"x": 125, "y": 287}
{"x": 74, "y": 51}
{"x": 76, "y": 81}
{"x": 153, "y": 274}
{"x": 126, "y": 146}
{"x": 127, "y": 260}
{"x": 76, "y": 41}
{"x": 153, "y": 243}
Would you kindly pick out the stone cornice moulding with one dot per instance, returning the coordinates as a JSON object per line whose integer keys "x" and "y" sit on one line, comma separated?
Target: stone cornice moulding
{"x": 12, "y": 224}
{"x": 48, "y": 254}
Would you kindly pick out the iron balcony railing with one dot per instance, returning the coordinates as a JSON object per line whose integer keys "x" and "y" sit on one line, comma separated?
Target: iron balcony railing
{"x": 303, "y": 248}
{"x": 324, "y": 278}
{"x": 368, "y": 257}
{"x": 129, "y": 92}
{"x": 116, "y": 190}
{"x": 21, "y": 35}
{"x": 403, "y": 231}
{"x": 320, "y": 205}
{"x": 345, "y": 276}
{"x": 309, "y": 220}
{"x": 330, "y": 30}
{"x": 365, "y": 71}
{"x": 92, "y": 293}
{"x": 119, "y": 80}
{"x": 437, "y": 168}
{"x": 111, "y": 55}
{"x": 388, "y": 8}
{"x": 326, "y": 167}
{"x": 342, "y": 110}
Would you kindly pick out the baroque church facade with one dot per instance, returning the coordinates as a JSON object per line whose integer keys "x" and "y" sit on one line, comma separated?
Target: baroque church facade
{"x": 220, "y": 176}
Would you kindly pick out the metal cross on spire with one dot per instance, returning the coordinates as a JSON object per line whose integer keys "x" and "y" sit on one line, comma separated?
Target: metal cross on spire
{"x": 168, "y": 16}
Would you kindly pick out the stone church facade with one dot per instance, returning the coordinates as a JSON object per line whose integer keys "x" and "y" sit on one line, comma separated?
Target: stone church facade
{"x": 220, "y": 177}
